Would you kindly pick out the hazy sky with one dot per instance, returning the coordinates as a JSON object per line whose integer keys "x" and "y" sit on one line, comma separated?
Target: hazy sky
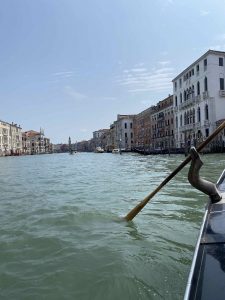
{"x": 70, "y": 66}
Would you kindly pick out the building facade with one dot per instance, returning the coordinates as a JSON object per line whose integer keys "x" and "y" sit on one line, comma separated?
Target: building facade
{"x": 101, "y": 138}
{"x": 34, "y": 142}
{"x": 10, "y": 139}
{"x": 143, "y": 129}
{"x": 123, "y": 132}
{"x": 163, "y": 125}
{"x": 199, "y": 99}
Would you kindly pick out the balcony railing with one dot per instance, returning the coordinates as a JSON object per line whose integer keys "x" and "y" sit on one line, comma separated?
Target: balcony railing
{"x": 222, "y": 93}
{"x": 198, "y": 98}
{"x": 206, "y": 123}
{"x": 187, "y": 127}
{"x": 205, "y": 94}
{"x": 186, "y": 103}
{"x": 197, "y": 124}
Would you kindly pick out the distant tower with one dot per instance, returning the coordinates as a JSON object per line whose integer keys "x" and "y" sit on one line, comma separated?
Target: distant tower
{"x": 70, "y": 146}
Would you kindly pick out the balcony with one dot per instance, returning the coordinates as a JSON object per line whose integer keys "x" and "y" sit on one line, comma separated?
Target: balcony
{"x": 197, "y": 125}
{"x": 205, "y": 94}
{"x": 206, "y": 123}
{"x": 187, "y": 127}
{"x": 222, "y": 93}
{"x": 189, "y": 102}
{"x": 198, "y": 98}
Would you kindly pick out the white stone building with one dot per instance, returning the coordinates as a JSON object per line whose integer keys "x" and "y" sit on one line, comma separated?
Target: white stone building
{"x": 34, "y": 142}
{"x": 199, "y": 99}
{"x": 124, "y": 132}
{"x": 10, "y": 139}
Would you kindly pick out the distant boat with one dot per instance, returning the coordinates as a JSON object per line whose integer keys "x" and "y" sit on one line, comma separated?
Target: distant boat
{"x": 99, "y": 150}
{"x": 116, "y": 151}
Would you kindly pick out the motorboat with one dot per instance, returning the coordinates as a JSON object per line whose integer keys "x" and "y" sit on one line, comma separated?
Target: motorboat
{"x": 116, "y": 151}
{"x": 99, "y": 150}
{"x": 207, "y": 274}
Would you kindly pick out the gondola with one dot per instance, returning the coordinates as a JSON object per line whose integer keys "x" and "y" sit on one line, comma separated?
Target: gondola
{"x": 207, "y": 274}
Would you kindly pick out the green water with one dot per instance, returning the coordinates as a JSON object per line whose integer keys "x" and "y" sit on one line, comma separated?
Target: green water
{"x": 61, "y": 234}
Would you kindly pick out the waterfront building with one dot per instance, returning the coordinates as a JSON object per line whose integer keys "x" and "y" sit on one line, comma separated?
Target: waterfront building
{"x": 143, "y": 128}
{"x": 163, "y": 125}
{"x": 112, "y": 137}
{"x": 123, "y": 132}
{"x": 34, "y": 142}
{"x": 85, "y": 146}
{"x": 199, "y": 99}
{"x": 10, "y": 139}
{"x": 101, "y": 138}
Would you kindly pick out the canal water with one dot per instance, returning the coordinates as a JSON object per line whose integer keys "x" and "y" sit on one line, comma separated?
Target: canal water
{"x": 61, "y": 233}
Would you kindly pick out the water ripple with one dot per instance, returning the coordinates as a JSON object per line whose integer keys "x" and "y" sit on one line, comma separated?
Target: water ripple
{"x": 62, "y": 235}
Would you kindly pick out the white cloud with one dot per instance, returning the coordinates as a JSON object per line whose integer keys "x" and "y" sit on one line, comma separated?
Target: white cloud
{"x": 109, "y": 98}
{"x": 165, "y": 63}
{"x": 138, "y": 70}
{"x": 63, "y": 75}
{"x": 74, "y": 94}
{"x": 220, "y": 37}
{"x": 219, "y": 44}
{"x": 142, "y": 80}
{"x": 218, "y": 47}
{"x": 83, "y": 130}
{"x": 204, "y": 13}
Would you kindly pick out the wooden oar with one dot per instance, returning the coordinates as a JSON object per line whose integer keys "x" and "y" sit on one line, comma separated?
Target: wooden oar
{"x": 139, "y": 207}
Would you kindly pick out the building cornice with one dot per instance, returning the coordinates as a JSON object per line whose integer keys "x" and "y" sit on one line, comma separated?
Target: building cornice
{"x": 198, "y": 60}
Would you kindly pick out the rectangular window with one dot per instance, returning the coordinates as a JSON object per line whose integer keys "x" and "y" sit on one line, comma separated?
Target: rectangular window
{"x": 221, "y": 61}
{"x": 131, "y": 125}
{"x": 192, "y": 72}
{"x": 125, "y": 134}
{"x": 180, "y": 81}
{"x": 205, "y": 64}
{"x": 131, "y": 135}
{"x": 197, "y": 69}
{"x": 175, "y": 86}
{"x": 222, "y": 84}
{"x": 125, "y": 125}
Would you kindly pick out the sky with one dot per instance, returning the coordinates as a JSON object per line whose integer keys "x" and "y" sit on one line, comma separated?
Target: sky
{"x": 70, "y": 66}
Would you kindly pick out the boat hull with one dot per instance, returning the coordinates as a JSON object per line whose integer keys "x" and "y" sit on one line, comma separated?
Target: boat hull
{"x": 207, "y": 275}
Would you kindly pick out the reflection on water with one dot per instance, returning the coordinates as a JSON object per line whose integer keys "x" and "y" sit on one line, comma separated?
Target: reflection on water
{"x": 63, "y": 236}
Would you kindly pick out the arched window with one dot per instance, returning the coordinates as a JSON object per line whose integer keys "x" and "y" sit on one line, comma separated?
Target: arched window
{"x": 198, "y": 88}
{"x": 190, "y": 116}
{"x": 199, "y": 114}
{"x": 206, "y": 112}
{"x": 181, "y": 120}
{"x": 193, "y": 91}
{"x": 205, "y": 84}
{"x": 189, "y": 93}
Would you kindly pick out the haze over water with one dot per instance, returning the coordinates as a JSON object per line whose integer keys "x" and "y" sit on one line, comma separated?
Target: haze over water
{"x": 61, "y": 234}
